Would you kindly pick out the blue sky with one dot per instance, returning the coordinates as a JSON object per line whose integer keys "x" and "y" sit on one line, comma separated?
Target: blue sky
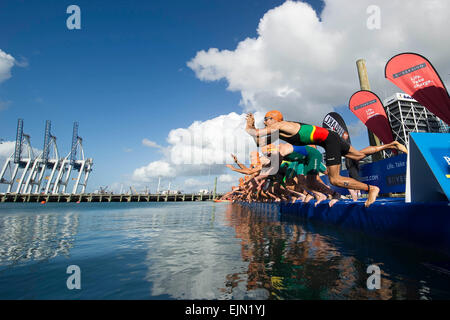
{"x": 124, "y": 75}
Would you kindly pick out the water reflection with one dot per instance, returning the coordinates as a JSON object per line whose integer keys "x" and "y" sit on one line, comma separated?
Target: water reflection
{"x": 202, "y": 251}
{"x": 288, "y": 262}
{"x": 187, "y": 258}
{"x": 25, "y": 237}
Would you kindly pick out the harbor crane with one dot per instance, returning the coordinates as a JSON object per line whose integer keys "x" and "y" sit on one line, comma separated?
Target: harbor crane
{"x": 16, "y": 161}
{"x": 34, "y": 178}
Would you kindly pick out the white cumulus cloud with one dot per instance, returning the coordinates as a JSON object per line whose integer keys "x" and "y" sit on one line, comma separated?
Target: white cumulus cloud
{"x": 210, "y": 142}
{"x": 202, "y": 149}
{"x": 304, "y": 65}
{"x": 191, "y": 182}
{"x": 6, "y": 149}
{"x": 7, "y": 61}
{"x": 227, "y": 178}
{"x": 153, "y": 170}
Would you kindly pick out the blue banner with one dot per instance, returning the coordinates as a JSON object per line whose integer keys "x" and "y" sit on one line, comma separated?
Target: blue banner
{"x": 389, "y": 175}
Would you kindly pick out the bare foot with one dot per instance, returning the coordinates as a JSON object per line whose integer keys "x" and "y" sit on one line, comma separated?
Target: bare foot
{"x": 397, "y": 145}
{"x": 353, "y": 194}
{"x": 373, "y": 193}
{"x": 319, "y": 199}
{"x": 332, "y": 202}
{"x": 308, "y": 198}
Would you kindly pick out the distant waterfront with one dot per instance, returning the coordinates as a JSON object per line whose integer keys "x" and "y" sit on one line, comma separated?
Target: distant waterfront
{"x": 106, "y": 197}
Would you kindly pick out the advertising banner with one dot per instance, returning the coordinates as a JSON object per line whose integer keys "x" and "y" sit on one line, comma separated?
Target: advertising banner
{"x": 416, "y": 76}
{"x": 368, "y": 108}
{"x": 388, "y": 174}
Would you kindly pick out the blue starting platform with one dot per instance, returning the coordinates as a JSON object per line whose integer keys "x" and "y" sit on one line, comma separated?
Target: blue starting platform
{"x": 423, "y": 223}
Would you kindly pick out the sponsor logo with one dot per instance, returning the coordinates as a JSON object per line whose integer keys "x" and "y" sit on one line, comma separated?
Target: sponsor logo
{"x": 419, "y": 81}
{"x": 409, "y": 70}
{"x": 398, "y": 179}
{"x": 371, "y": 113}
{"x": 365, "y": 104}
{"x": 392, "y": 100}
{"x": 333, "y": 125}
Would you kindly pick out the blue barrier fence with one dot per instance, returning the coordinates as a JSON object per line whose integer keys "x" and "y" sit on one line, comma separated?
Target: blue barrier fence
{"x": 389, "y": 175}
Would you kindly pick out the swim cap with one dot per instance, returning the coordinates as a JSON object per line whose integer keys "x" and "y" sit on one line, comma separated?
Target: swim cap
{"x": 275, "y": 115}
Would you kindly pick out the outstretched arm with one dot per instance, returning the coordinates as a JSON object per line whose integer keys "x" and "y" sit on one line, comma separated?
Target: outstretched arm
{"x": 250, "y": 128}
{"x": 238, "y": 163}
{"x": 258, "y": 133}
{"x": 246, "y": 171}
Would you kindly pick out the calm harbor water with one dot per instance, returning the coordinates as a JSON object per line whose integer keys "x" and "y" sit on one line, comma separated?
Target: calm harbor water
{"x": 204, "y": 250}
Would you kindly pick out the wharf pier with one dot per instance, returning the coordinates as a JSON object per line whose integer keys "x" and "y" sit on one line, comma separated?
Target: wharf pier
{"x": 95, "y": 197}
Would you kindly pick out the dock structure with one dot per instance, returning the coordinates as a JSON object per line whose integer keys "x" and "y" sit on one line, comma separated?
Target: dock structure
{"x": 94, "y": 197}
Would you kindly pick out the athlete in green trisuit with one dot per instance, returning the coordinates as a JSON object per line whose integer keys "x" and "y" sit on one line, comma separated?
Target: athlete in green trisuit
{"x": 305, "y": 161}
{"x": 300, "y": 134}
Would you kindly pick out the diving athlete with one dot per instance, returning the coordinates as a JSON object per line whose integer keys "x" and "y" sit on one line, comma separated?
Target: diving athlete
{"x": 300, "y": 134}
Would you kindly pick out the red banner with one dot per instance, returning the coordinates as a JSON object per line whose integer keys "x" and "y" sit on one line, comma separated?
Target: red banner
{"x": 416, "y": 76}
{"x": 368, "y": 108}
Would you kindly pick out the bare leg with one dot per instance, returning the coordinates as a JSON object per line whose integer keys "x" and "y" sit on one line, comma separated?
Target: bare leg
{"x": 296, "y": 194}
{"x": 350, "y": 183}
{"x": 361, "y": 154}
{"x": 393, "y": 145}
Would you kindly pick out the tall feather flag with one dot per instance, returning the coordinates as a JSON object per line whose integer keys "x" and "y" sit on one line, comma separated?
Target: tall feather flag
{"x": 416, "y": 76}
{"x": 368, "y": 108}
